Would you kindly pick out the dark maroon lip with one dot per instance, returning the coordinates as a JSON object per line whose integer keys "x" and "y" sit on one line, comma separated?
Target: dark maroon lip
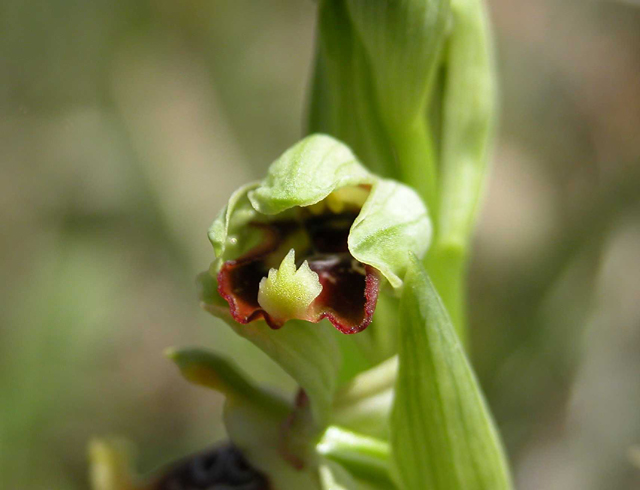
{"x": 349, "y": 288}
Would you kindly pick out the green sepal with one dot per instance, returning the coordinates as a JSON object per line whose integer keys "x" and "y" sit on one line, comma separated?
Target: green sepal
{"x": 307, "y": 173}
{"x": 205, "y": 368}
{"x": 442, "y": 433}
{"x": 308, "y": 353}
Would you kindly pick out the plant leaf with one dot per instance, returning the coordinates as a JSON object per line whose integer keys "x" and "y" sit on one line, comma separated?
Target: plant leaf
{"x": 442, "y": 434}
{"x": 343, "y": 97}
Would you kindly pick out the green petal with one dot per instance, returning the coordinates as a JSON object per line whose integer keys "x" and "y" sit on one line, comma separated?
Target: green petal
{"x": 442, "y": 434}
{"x": 393, "y": 224}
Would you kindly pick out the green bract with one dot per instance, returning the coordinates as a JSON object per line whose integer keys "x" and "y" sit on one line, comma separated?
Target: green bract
{"x": 442, "y": 435}
{"x": 375, "y": 73}
{"x": 468, "y": 113}
{"x": 402, "y": 39}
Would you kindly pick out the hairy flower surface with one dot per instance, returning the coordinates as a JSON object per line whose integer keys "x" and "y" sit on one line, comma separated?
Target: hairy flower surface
{"x": 315, "y": 239}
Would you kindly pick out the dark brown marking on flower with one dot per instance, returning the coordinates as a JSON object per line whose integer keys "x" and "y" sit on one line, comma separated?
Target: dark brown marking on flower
{"x": 222, "y": 468}
{"x": 239, "y": 280}
{"x": 349, "y": 291}
{"x": 349, "y": 288}
{"x": 329, "y": 232}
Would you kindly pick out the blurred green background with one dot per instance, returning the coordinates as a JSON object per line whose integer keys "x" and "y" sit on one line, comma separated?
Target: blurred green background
{"x": 124, "y": 127}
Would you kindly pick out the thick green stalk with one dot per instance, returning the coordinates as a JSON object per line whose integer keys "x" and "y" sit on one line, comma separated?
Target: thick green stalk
{"x": 365, "y": 457}
{"x": 416, "y": 161}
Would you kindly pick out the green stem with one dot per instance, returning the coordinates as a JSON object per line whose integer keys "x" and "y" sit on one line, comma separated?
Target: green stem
{"x": 447, "y": 266}
{"x": 365, "y": 457}
{"x": 414, "y": 151}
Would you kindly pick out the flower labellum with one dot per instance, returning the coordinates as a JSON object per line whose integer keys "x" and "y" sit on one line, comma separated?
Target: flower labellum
{"x": 287, "y": 292}
{"x": 314, "y": 240}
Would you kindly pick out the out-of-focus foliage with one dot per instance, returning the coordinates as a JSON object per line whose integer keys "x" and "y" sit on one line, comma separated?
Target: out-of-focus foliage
{"x": 124, "y": 126}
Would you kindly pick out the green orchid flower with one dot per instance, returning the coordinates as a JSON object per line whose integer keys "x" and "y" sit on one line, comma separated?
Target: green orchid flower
{"x": 318, "y": 238}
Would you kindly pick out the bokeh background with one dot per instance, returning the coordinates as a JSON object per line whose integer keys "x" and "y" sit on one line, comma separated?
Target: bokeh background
{"x": 124, "y": 127}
